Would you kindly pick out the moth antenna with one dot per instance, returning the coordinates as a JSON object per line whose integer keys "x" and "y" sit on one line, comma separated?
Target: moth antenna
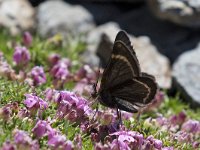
{"x": 98, "y": 75}
{"x": 94, "y": 94}
{"x": 90, "y": 104}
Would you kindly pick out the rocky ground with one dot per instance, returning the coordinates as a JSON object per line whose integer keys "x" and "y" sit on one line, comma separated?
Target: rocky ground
{"x": 161, "y": 33}
{"x": 49, "y": 105}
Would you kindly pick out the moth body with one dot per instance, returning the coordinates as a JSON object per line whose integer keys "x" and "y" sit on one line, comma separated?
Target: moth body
{"x": 123, "y": 85}
{"x": 106, "y": 99}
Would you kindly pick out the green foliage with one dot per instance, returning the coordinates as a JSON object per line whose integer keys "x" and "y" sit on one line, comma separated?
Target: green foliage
{"x": 14, "y": 91}
{"x": 174, "y": 105}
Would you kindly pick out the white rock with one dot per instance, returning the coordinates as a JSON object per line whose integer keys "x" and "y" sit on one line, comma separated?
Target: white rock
{"x": 61, "y": 17}
{"x": 100, "y": 42}
{"x": 17, "y": 15}
{"x": 186, "y": 73}
{"x": 182, "y": 12}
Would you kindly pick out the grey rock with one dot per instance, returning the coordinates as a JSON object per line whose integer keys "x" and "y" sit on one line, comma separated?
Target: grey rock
{"x": 94, "y": 40}
{"x": 56, "y": 16}
{"x": 182, "y": 12}
{"x": 170, "y": 39}
{"x": 100, "y": 42}
{"x": 17, "y": 15}
{"x": 90, "y": 58}
{"x": 186, "y": 75}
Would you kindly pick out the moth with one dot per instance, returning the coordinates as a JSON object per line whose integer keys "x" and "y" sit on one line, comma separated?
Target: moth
{"x": 123, "y": 86}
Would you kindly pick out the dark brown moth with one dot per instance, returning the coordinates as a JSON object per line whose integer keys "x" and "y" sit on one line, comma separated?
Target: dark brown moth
{"x": 123, "y": 85}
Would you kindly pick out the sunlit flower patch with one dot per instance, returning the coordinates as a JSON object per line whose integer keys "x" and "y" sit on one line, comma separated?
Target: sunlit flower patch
{"x": 47, "y": 105}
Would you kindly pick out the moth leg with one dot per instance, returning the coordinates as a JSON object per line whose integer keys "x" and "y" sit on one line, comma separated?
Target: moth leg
{"x": 92, "y": 102}
{"x": 94, "y": 93}
{"x": 139, "y": 114}
{"x": 119, "y": 117}
{"x": 96, "y": 110}
{"x": 90, "y": 105}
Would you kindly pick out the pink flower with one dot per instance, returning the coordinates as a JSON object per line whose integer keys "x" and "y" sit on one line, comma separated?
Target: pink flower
{"x": 69, "y": 145}
{"x": 147, "y": 145}
{"x": 5, "y": 112}
{"x": 21, "y": 137}
{"x": 23, "y": 112}
{"x": 55, "y": 139}
{"x": 8, "y": 146}
{"x": 60, "y": 70}
{"x": 119, "y": 145}
{"x": 78, "y": 141}
{"x": 61, "y": 73}
{"x": 72, "y": 106}
{"x": 21, "y": 55}
{"x": 154, "y": 142}
{"x": 158, "y": 144}
{"x": 38, "y": 75}
{"x": 27, "y": 39}
{"x": 72, "y": 116}
{"x": 85, "y": 72}
{"x": 34, "y": 102}
{"x": 51, "y": 132}
{"x": 99, "y": 146}
{"x": 53, "y": 59}
{"x": 162, "y": 121}
{"x": 59, "y": 141}
{"x": 134, "y": 139}
{"x": 50, "y": 94}
{"x": 183, "y": 137}
{"x": 192, "y": 126}
{"x": 196, "y": 144}
{"x": 24, "y": 141}
{"x": 83, "y": 87}
{"x": 5, "y": 69}
{"x": 40, "y": 128}
{"x": 127, "y": 138}
{"x": 178, "y": 119}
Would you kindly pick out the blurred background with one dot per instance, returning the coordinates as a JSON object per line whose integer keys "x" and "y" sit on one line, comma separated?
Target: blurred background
{"x": 165, "y": 33}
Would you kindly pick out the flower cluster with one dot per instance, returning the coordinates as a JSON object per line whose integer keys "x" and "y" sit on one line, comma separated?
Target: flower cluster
{"x": 5, "y": 69}
{"x": 22, "y": 140}
{"x": 130, "y": 140}
{"x": 70, "y": 106}
{"x": 7, "y": 111}
{"x": 55, "y": 139}
{"x": 38, "y": 75}
{"x": 179, "y": 128}
{"x": 103, "y": 128}
{"x": 60, "y": 70}
{"x": 21, "y": 56}
{"x": 27, "y": 39}
{"x": 66, "y": 119}
{"x": 35, "y": 103}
